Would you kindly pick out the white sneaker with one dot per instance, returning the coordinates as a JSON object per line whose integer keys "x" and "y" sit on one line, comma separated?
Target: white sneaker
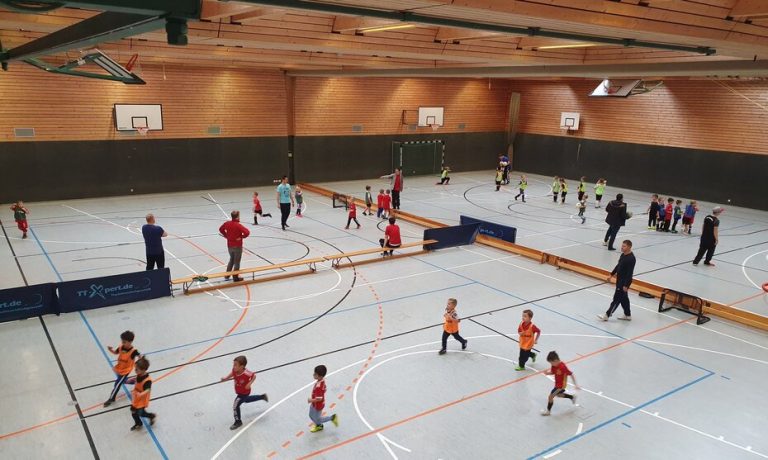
{"x": 625, "y": 318}
{"x": 573, "y": 400}
{"x": 545, "y": 412}
{"x": 602, "y": 317}
{"x": 605, "y": 243}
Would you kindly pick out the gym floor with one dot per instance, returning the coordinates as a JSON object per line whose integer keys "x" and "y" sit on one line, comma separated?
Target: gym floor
{"x": 655, "y": 387}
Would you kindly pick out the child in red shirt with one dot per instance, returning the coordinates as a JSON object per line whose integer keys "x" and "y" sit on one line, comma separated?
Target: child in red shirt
{"x": 529, "y": 336}
{"x": 561, "y": 373}
{"x": 386, "y": 203}
{"x": 380, "y": 204}
{"x": 20, "y": 216}
{"x": 317, "y": 401}
{"x": 243, "y": 380}
{"x": 352, "y": 212}
{"x": 391, "y": 237}
{"x": 257, "y": 209}
{"x": 668, "y": 211}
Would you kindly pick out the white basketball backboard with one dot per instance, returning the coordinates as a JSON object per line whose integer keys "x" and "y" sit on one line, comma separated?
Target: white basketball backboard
{"x": 569, "y": 120}
{"x": 131, "y": 117}
{"x": 429, "y": 116}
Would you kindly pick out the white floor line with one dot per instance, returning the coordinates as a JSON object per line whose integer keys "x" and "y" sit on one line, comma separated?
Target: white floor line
{"x": 744, "y": 271}
{"x": 579, "y": 428}
{"x": 552, "y": 454}
{"x": 226, "y": 216}
{"x": 706, "y": 350}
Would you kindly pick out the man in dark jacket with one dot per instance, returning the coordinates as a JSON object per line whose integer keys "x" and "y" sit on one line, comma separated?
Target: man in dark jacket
{"x": 623, "y": 271}
{"x": 616, "y": 218}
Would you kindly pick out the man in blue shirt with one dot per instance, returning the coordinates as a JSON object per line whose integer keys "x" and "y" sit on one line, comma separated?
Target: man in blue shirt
{"x": 284, "y": 201}
{"x": 153, "y": 240}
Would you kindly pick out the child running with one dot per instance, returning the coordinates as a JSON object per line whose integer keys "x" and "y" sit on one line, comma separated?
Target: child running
{"x": 386, "y": 202}
{"x": 522, "y": 185}
{"x": 257, "y": 210}
{"x": 140, "y": 395}
{"x": 317, "y": 401}
{"x": 599, "y": 191}
{"x": 20, "y": 216}
{"x": 368, "y": 201}
{"x": 126, "y": 356}
{"x": 299, "y": 200}
{"x": 582, "y": 207}
{"x": 561, "y": 373}
{"x": 243, "y": 380}
{"x": 689, "y": 215}
{"x": 653, "y": 212}
{"x": 529, "y": 336}
{"x": 499, "y": 177}
{"x": 352, "y": 212}
{"x": 451, "y": 326}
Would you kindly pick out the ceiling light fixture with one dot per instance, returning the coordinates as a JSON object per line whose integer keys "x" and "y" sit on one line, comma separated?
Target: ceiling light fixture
{"x": 389, "y": 27}
{"x": 554, "y": 47}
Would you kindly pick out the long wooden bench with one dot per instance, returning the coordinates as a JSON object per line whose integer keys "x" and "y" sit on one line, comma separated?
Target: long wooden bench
{"x": 188, "y": 281}
{"x": 336, "y": 258}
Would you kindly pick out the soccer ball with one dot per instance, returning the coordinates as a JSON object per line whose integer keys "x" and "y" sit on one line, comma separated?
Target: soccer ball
{"x": 629, "y": 214}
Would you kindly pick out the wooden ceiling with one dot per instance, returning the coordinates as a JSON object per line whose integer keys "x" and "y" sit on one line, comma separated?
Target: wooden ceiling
{"x": 239, "y": 34}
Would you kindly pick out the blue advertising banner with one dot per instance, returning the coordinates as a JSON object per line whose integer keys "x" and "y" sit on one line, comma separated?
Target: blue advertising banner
{"x": 27, "y": 302}
{"x": 448, "y": 237}
{"x": 93, "y": 293}
{"x": 491, "y": 229}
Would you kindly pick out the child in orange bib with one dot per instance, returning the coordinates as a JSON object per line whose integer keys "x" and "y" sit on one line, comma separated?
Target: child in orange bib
{"x": 451, "y": 326}
{"x": 140, "y": 395}
{"x": 529, "y": 336}
{"x": 126, "y": 355}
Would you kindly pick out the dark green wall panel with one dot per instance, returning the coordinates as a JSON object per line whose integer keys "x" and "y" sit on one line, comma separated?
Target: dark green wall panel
{"x": 682, "y": 173}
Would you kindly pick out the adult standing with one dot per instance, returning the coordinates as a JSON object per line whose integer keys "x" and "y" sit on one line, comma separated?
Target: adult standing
{"x": 396, "y": 179}
{"x": 504, "y": 163}
{"x": 616, "y": 218}
{"x": 153, "y": 241}
{"x": 284, "y": 201}
{"x": 623, "y": 273}
{"x": 709, "y": 237}
{"x": 391, "y": 238}
{"x": 234, "y": 232}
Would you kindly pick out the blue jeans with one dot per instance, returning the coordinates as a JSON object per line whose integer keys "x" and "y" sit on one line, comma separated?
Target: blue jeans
{"x": 317, "y": 416}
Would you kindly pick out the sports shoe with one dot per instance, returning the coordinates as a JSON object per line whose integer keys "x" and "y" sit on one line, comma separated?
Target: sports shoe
{"x": 696, "y": 263}
{"x": 441, "y": 352}
{"x": 236, "y": 279}
{"x": 673, "y": 231}
{"x": 108, "y": 402}
{"x": 605, "y": 243}
{"x": 226, "y": 278}
{"x": 316, "y": 428}
{"x": 625, "y": 318}
{"x": 610, "y": 248}
{"x": 236, "y": 425}
{"x": 573, "y": 400}
{"x": 136, "y": 427}
{"x": 23, "y": 236}
{"x": 464, "y": 345}
{"x": 335, "y": 420}
{"x": 346, "y": 228}
{"x": 602, "y": 317}
{"x": 266, "y": 398}
{"x": 152, "y": 419}
{"x": 709, "y": 264}
{"x": 545, "y": 412}
{"x": 519, "y": 368}
{"x": 583, "y": 219}
{"x": 533, "y": 357}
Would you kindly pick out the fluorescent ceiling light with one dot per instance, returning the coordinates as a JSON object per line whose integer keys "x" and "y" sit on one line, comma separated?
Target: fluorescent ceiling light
{"x": 389, "y": 27}
{"x": 579, "y": 45}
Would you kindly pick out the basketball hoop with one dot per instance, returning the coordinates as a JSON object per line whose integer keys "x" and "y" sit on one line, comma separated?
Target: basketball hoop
{"x": 143, "y": 131}
{"x": 434, "y": 126}
{"x": 132, "y": 62}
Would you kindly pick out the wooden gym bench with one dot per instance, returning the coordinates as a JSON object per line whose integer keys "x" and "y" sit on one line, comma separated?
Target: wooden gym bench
{"x": 336, "y": 258}
{"x": 188, "y": 281}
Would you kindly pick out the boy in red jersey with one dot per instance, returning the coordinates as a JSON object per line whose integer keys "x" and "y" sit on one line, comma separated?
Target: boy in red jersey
{"x": 380, "y": 204}
{"x": 243, "y": 380}
{"x": 352, "y": 212}
{"x": 386, "y": 203}
{"x": 561, "y": 373}
{"x": 257, "y": 210}
{"x": 391, "y": 237}
{"x": 140, "y": 395}
{"x": 20, "y": 216}
{"x": 668, "y": 211}
{"x": 529, "y": 336}
{"x": 126, "y": 355}
{"x": 317, "y": 401}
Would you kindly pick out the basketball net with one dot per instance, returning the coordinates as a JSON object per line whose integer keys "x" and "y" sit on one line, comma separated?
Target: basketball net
{"x": 434, "y": 127}
{"x": 142, "y": 131}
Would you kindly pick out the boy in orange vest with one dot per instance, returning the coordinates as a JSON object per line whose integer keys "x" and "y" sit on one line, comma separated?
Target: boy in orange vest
{"x": 140, "y": 395}
{"x": 451, "y": 326}
{"x": 126, "y": 355}
{"x": 529, "y": 336}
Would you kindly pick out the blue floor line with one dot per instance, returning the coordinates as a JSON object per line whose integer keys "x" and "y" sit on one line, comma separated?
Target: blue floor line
{"x": 620, "y": 416}
{"x": 100, "y": 347}
{"x": 369, "y": 305}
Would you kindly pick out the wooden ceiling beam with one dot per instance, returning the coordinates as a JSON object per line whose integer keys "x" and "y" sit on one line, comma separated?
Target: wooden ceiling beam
{"x": 260, "y": 13}
{"x": 750, "y": 9}
{"x": 213, "y": 9}
{"x": 454, "y": 33}
{"x": 351, "y": 23}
